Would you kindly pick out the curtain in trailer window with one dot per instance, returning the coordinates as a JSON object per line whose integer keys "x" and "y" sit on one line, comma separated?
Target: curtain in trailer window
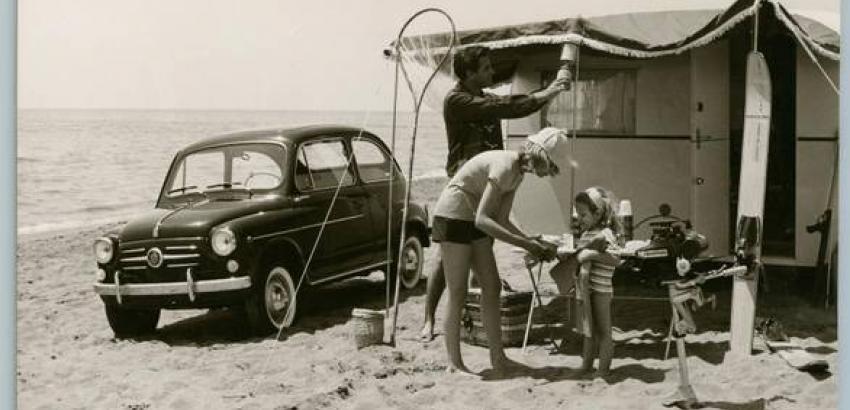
{"x": 605, "y": 103}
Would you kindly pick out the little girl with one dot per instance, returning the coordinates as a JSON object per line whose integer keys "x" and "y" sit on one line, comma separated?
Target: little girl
{"x": 594, "y": 267}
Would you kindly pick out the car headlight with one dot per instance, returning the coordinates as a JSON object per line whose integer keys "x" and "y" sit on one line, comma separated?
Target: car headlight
{"x": 104, "y": 250}
{"x": 223, "y": 241}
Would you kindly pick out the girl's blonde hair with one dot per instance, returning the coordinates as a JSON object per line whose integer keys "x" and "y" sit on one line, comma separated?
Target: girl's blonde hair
{"x": 601, "y": 202}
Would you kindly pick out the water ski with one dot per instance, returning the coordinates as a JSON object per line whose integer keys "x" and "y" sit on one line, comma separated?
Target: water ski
{"x": 751, "y": 192}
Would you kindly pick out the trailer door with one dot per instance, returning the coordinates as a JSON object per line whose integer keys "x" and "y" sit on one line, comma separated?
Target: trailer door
{"x": 710, "y": 145}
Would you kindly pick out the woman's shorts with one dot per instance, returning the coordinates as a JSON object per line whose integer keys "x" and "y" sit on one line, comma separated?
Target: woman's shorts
{"x": 454, "y": 230}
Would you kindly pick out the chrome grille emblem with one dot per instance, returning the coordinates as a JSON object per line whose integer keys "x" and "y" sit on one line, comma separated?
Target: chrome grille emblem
{"x": 154, "y": 257}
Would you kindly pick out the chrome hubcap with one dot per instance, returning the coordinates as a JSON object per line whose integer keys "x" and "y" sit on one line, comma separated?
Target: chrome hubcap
{"x": 411, "y": 259}
{"x": 278, "y": 298}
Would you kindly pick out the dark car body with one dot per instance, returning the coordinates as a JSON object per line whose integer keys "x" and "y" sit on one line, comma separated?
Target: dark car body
{"x": 279, "y": 190}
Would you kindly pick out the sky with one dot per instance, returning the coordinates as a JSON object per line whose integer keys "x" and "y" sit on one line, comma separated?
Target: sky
{"x": 251, "y": 54}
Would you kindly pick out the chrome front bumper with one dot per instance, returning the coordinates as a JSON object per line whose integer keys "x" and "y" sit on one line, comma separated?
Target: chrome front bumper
{"x": 190, "y": 287}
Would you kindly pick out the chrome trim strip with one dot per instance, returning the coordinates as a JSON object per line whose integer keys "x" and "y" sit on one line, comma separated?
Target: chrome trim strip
{"x": 165, "y": 257}
{"x": 181, "y": 248}
{"x": 301, "y": 228}
{"x": 181, "y": 256}
{"x": 134, "y": 250}
{"x": 172, "y": 288}
{"x": 176, "y": 239}
{"x": 372, "y": 266}
{"x": 170, "y": 265}
{"x": 181, "y": 265}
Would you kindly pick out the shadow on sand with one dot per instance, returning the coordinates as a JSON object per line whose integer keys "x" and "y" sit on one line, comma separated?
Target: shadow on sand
{"x": 724, "y": 405}
{"x": 555, "y": 374}
{"x": 318, "y": 308}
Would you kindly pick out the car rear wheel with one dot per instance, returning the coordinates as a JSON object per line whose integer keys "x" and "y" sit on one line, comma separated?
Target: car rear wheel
{"x": 272, "y": 305}
{"x": 412, "y": 257}
{"x": 131, "y": 322}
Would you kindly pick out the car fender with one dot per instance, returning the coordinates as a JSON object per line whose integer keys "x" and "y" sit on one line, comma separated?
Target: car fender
{"x": 282, "y": 248}
{"x": 417, "y": 217}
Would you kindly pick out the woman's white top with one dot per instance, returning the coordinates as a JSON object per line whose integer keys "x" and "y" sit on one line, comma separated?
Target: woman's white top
{"x": 460, "y": 198}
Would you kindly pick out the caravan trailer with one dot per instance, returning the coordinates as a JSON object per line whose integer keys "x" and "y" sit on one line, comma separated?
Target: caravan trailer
{"x": 659, "y": 112}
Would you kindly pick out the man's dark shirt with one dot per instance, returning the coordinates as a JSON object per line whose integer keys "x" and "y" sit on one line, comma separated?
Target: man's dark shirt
{"x": 472, "y": 121}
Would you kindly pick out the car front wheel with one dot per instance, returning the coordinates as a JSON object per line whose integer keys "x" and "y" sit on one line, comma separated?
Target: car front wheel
{"x": 131, "y": 322}
{"x": 412, "y": 257}
{"x": 272, "y": 305}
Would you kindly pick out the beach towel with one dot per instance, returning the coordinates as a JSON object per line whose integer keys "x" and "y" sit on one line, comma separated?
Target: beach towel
{"x": 584, "y": 309}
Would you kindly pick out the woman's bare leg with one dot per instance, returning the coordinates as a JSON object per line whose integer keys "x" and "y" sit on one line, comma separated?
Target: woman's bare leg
{"x": 484, "y": 266}
{"x": 602, "y": 330}
{"x": 456, "y": 261}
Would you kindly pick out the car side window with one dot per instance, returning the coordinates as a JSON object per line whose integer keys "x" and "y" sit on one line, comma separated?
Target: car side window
{"x": 373, "y": 163}
{"x": 322, "y": 165}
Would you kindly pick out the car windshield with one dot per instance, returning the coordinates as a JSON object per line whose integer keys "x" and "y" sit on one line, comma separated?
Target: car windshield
{"x": 246, "y": 167}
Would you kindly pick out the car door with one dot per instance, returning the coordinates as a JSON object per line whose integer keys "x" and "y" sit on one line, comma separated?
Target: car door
{"x": 374, "y": 162}
{"x": 322, "y": 167}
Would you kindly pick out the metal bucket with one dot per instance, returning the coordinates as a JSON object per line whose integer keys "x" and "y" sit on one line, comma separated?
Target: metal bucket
{"x": 367, "y": 326}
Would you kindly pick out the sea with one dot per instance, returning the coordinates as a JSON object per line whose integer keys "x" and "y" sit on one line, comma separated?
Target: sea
{"x": 83, "y": 167}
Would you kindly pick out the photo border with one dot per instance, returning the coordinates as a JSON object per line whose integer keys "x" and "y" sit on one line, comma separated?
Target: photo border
{"x": 8, "y": 174}
{"x": 843, "y": 187}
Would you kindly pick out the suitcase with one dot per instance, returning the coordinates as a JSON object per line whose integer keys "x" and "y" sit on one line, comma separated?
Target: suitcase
{"x": 514, "y": 314}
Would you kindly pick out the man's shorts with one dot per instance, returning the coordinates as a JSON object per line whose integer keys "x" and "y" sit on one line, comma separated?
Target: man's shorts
{"x": 454, "y": 230}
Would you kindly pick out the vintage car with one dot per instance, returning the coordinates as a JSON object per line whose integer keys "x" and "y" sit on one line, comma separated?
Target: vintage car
{"x": 237, "y": 221}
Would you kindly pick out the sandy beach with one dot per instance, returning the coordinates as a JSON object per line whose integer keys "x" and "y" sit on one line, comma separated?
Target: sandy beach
{"x": 68, "y": 358}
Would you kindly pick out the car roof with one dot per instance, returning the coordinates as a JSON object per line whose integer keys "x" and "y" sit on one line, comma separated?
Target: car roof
{"x": 280, "y": 135}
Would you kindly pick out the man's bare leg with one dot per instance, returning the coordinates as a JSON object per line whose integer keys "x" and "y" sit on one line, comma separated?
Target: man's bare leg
{"x": 433, "y": 292}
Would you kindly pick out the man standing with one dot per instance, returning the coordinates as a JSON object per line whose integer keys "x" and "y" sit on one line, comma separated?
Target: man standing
{"x": 473, "y": 126}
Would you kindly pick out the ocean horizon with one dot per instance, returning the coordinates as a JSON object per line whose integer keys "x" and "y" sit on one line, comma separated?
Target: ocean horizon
{"x": 78, "y": 167}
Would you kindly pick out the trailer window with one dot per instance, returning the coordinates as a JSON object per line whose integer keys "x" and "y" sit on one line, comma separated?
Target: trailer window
{"x": 605, "y": 103}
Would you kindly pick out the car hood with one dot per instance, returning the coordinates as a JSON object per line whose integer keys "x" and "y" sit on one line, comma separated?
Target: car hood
{"x": 194, "y": 220}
